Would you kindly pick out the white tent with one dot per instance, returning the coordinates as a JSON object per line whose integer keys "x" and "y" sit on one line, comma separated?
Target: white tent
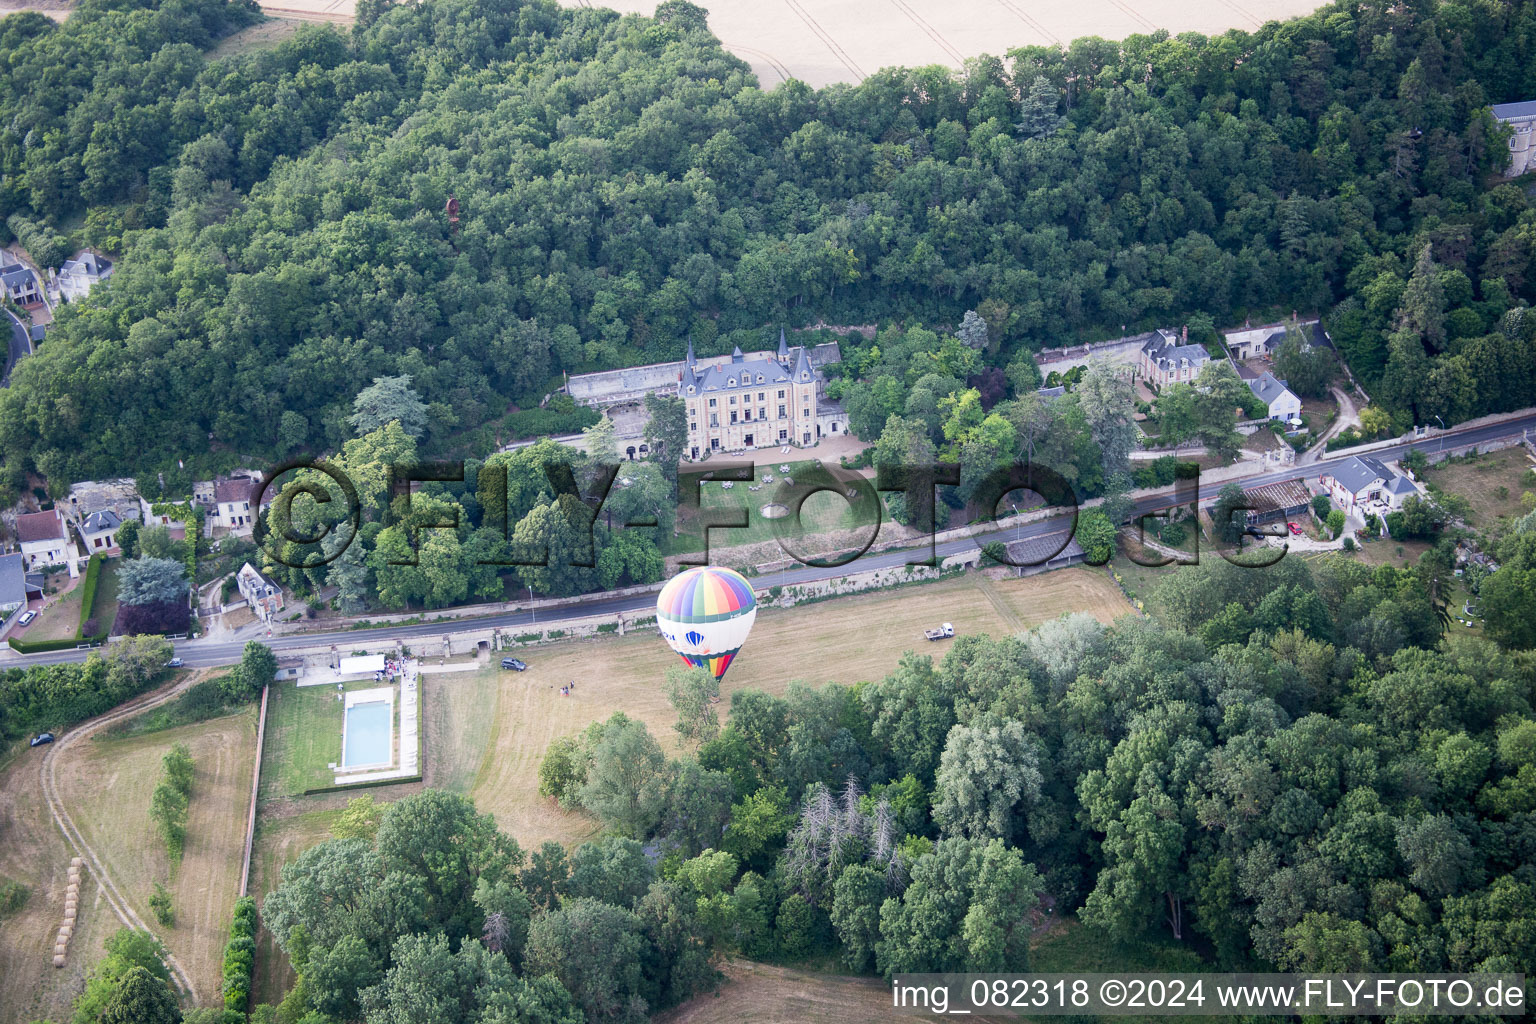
{"x": 366, "y": 664}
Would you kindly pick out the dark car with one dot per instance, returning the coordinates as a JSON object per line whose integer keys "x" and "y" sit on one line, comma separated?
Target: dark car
{"x": 515, "y": 664}
{"x": 41, "y": 738}
{"x": 173, "y": 663}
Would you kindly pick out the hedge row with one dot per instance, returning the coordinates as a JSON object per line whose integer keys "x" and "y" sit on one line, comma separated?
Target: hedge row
{"x": 88, "y": 594}
{"x": 240, "y": 955}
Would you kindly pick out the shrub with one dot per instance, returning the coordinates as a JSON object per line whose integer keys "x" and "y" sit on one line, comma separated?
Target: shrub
{"x": 13, "y": 895}
{"x": 160, "y": 905}
{"x": 1349, "y": 543}
{"x": 793, "y": 927}
{"x": 161, "y": 617}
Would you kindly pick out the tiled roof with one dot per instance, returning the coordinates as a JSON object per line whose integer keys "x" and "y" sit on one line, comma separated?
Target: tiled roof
{"x": 1037, "y": 550}
{"x": 13, "y": 581}
{"x": 1267, "y": 388}
{"x": 104, "y": 521}
{"x": 744, "y": 372}
{"x": 236, "y": 488}
{"x": 1358, "y": 472}
{"x": 1167, "y": 353}
{"x": 35, "y": 526}
{"x": 1505, "y": 111}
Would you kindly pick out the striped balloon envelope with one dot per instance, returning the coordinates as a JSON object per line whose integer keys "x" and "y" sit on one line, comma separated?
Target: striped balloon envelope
{"x": 705, "y": 615}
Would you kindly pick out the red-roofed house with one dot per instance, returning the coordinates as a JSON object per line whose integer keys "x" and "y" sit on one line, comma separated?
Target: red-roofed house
{"x": 44, "y": 539}
{"x": 231, "y": 507}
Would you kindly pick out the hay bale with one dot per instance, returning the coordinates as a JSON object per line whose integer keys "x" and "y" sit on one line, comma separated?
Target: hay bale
{"x": 69, "y": 913}
{"x": 75, "y": 862}
{"x": 58, "y": 960}
{"x": 73, "y": 888}
{"x": 65, "y": 931}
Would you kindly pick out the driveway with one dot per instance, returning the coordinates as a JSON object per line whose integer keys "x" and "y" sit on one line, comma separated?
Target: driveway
{"x": 19, "y": 346}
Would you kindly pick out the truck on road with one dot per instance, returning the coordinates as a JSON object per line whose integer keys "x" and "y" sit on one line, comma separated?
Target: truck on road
{"x": 944, "y": 632}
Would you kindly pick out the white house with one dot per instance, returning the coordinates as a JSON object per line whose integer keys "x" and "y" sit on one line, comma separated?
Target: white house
{"x": 78, "y": 276}
{"x": 265, "y": 596}
{"x": 98, "y": 531}
{"x": 44, "y": 539}
{"x": 230, "y": 504}
{"x": 1362, "y": 484}
{"x": 1282, "y": 402}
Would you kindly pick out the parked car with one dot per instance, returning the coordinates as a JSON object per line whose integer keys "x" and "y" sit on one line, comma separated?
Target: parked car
{"x": 173, "y": 663}
{"x": 515, "y": 664}
{"x": 1295, "y": 529}
{"x": 41, "y": 738}
{"x": 26, "y": 618}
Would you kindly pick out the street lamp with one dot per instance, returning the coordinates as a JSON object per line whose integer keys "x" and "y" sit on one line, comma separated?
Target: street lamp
{"x": 1018, "y": 524}
{"x": 1442, "y": 434}
{"x": 531, "y": 609}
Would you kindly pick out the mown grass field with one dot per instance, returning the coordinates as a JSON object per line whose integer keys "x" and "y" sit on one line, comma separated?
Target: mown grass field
{"x": 106, "y": 785}
{"x": 755, "y": 993}
{"x": 844, "y": 640}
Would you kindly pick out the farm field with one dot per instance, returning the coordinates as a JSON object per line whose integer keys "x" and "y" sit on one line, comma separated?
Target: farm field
{"x": 868, "y": 634}
{"x": 846, "y": 40}
{"x": 106, "y": 785}
{"x": 33, "y": 852}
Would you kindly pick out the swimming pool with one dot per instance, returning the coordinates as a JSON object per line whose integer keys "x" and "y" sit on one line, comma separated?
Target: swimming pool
{"x": 366, "y": 737}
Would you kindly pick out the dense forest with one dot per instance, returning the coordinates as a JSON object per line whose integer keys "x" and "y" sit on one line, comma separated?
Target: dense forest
{"x": 623, "y": 181}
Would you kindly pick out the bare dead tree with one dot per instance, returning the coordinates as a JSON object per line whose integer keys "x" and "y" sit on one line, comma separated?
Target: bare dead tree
{"x": 496, "y": 932}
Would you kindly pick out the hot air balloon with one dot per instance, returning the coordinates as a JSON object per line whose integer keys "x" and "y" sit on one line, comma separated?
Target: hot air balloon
{"x": 705, "y": 615}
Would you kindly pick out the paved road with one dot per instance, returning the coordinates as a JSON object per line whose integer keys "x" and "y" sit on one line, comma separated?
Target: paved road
{"x": 19, "y": 347}
{"x": 203, "y": 653}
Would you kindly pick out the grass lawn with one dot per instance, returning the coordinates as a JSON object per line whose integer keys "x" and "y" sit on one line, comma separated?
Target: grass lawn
{"x": 625, "y": 673}
{"x": 105, "y": 611}
{"x": 303, "y": 737}
{"x": 486, "y": 733}
{"x": 106, "y": 785}
{"x": 821, "y": 512}
{"x": 1400, "y": 554}
{"x": 60, "y": 620}
{"x": 1491, "y": 483}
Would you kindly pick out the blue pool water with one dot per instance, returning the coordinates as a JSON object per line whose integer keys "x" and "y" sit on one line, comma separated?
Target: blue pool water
{"x": 367, "y": 734}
